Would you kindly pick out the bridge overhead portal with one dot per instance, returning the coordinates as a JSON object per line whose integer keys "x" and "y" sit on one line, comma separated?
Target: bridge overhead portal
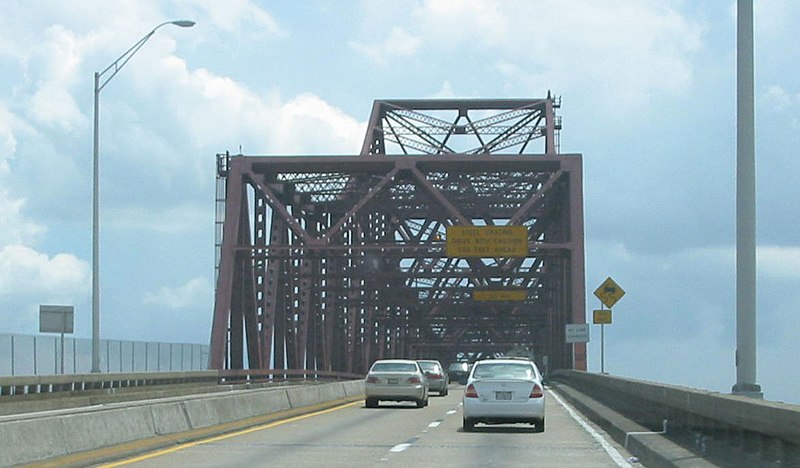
{"x": 331, "y": 262}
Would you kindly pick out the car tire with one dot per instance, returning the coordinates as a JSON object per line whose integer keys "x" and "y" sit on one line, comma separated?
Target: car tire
{"x": 371, "y": 403}
{"x": 420, "y": 403}
{"x": 538, "y": 426}
{"x": 443, "y": 392}
{"x": 469, "y": 425}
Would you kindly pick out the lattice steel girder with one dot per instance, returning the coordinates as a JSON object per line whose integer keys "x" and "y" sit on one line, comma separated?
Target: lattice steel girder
{"x": 350, "y": 263}
{"x": 462, "y": 126}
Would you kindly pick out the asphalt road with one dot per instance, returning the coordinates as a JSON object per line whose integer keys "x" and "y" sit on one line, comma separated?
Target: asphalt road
{"x": 400, "y": 435}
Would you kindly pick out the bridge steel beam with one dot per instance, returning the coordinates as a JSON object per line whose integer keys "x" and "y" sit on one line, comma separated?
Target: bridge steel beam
{"x": 331, "y": 262}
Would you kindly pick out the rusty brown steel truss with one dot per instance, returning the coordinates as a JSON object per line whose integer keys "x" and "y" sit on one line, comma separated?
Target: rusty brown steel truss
{"x": 331, "y": 262}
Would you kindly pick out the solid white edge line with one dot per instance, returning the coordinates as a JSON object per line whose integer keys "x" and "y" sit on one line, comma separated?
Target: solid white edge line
{"x": 612, "y": 452}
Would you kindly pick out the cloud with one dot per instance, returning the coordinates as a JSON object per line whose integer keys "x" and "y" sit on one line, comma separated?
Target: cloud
{"x": 777, "y": 98}
{"x": 14, "y": 228}
{"x": 8, "y": 142}
{"x": 239, "y": 15}
{"x": 399, "y": 43}
{"x": 778, "y": 263}
{"x": 585, "y": 46}
{"x": 770, "y": 18}
{"x": 171, "y": 219}
{"x": 59, "y": 58}
{"x": 196, "y": 292}
{"x": 218, "y": 111}
{"x": 26, "y": 273}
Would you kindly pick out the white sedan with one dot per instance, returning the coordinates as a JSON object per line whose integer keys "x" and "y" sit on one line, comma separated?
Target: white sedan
{"x": 395, "y": 380}
{"x": 503, "y": 391}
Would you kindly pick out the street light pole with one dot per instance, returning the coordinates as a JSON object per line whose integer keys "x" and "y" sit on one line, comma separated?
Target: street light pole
{"x": 99, "y": 83}
{"x": 745, "y": 357}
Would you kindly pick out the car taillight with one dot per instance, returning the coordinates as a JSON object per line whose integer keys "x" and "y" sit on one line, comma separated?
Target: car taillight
{"x": 414, "y": 379}
{"x": 435, "y": 376}
{"x": 471, "y": 392}
{"x": 371, "y": 379}
{"x": 536, "y": 392}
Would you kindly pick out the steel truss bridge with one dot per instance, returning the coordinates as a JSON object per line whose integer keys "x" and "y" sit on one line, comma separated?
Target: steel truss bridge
{"x": 331, "y": 262}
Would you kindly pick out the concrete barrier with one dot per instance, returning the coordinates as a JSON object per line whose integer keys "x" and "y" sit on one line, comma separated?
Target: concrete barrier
{"x": 728, "y": 428}
{"x": 31, "y": 438}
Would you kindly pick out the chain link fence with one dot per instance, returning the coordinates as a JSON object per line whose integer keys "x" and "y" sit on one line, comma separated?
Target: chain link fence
{"x": 42, "y": 355}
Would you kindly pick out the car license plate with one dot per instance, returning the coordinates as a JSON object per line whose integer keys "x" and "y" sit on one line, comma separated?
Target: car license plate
{"x": 502, "y": 395}
{"x": 394, "y": 381}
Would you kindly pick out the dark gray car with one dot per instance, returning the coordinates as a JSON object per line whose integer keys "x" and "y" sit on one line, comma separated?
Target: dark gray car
{"x": 458, "y": 372}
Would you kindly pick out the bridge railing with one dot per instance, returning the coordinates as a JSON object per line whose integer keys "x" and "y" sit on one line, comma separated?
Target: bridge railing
{"x": 77, "y": 383}
{"x": 70, "y": 383}
{"x": 283, "y": 375}
{"x": 735, "y": 430}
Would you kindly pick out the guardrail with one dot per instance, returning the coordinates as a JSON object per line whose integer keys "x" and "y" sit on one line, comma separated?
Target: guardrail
{"x": 41, "y": 384}
{"x": 728, "y": 429}
{"x": 76, "y": 383}
{"x": 282, "y": 375}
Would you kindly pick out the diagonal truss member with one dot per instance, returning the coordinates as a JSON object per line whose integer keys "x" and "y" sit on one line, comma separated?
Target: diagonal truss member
{"x": 330, "y": 262}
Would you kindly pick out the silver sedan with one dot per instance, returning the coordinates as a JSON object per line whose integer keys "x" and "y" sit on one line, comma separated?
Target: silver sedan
{"x": 395, "y": 380}
{"x": 501, "y": 391}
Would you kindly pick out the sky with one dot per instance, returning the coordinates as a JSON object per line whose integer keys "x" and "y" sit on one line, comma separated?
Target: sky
{"x": 648, "y": 91}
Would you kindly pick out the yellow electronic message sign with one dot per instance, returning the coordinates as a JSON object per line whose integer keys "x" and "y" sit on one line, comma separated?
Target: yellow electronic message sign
{"x": 487, "y": 241}
{"x": 499, "y": 295}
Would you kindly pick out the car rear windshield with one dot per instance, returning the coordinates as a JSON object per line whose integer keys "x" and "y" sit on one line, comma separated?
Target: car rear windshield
{"x": 429, "y": 366}
{"x": 458, "y": 366}
{"x": 393, "y": 367}
{"x": 504, "y": 371}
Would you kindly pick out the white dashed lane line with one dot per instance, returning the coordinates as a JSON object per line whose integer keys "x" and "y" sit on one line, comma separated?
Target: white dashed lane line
{"x": 400, "y": 447}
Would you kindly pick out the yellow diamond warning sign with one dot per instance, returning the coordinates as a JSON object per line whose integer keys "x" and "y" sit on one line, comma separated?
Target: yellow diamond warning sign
{"x": 609, "y": 292}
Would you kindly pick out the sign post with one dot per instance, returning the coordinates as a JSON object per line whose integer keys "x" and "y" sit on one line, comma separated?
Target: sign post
{"x": 56, "y": 319}
{"x": 576, "y": 333}
{"x": 609, "y": 293}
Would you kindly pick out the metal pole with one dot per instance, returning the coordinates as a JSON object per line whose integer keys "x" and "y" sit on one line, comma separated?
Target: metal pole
{"x": 96, "y": 230}
{"x": 34, "y": 355}
{"x": 74, "y": 355}
{"x": 113, "y": 69}
{"x": 602, "y": 348}
{"x": 62, "y": 350}
{"x": 745, "y": 357}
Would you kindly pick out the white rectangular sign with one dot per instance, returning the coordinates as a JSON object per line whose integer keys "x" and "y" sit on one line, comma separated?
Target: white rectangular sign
{"x": 56, "y": 319}
{"x": 577, "y": 333}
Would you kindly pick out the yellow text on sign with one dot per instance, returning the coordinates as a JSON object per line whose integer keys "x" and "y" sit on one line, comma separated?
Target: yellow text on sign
{"x": 497, "y": 295}
{"x": 487, "y": 241}
{"x": 609, "y": 292}
{"x": 602, "y": 316}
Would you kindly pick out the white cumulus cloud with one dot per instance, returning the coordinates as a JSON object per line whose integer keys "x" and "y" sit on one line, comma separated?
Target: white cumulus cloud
{"x": 397, "y": 44}
{"x": 24, "y": 272}
{"x": 195, "y": 292}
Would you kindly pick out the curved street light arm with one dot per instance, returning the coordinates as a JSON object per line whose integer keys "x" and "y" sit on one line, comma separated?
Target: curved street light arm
{"x": 117, "y": 65}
